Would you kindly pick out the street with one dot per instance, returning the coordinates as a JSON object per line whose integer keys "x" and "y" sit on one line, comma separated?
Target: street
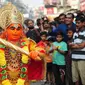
{"x": 37, "y": 83}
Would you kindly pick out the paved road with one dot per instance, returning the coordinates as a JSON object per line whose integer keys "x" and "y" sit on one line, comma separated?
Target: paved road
{"x": 40, "y": 83}
{"x": 37, "y": 83}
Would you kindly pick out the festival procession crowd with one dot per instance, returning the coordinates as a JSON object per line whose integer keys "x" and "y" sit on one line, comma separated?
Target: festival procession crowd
{"x": 56, "y": 49}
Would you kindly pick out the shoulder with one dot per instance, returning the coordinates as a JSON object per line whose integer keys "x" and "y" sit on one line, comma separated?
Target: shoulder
{"x": 62, "y": 25}
{"x": 31, "y": 41}
{"x": 64, "y": 43}
{"x": 54, "y": 42}
{"x": 28, "y": 41}
{"x": 74, "y": 25}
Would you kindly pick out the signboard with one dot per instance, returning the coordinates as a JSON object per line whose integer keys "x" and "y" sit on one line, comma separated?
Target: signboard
{"x": 50, "y": 10}
{"x": 50, "y": 3}
{"x": 82, "y": 5}
{"x": 73, "y": 3}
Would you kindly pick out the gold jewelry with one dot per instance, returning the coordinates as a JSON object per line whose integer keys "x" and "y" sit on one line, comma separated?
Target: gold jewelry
{"x": 9, "y": 14}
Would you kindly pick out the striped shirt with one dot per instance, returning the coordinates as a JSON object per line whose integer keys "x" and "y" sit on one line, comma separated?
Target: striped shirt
{"x": 79, "y": 38}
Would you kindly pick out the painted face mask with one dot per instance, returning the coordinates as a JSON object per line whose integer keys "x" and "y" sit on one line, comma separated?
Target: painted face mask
{"x": 14, "y": 32}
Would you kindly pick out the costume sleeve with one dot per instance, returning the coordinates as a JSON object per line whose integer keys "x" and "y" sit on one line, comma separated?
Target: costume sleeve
{"x": 36, "y": 51}
{"x": 34, "y": 47}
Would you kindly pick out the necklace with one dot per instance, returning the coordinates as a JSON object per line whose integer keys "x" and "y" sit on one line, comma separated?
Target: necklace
{"x": 13, "y": 59}
{"x": 14, "y": 63}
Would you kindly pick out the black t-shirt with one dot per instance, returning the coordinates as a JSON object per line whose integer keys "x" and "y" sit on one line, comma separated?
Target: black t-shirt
{"x": 33, "y": 34}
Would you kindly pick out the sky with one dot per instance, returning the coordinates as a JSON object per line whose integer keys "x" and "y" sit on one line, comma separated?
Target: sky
{"x": 33, "y": 3}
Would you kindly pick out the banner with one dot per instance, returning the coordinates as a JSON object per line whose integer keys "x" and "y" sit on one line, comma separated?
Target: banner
{"x": 50, "y": 10}
{"x": 50, "y": 3}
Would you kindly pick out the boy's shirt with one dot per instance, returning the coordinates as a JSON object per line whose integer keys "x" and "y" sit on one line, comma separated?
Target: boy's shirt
{"x": 59, "y": 58}
{"x": 79, "y": 54}
{"x": 42, "y": 44}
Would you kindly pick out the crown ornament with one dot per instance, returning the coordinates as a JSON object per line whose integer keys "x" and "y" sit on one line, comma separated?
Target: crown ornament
{"x": 9, "y": 14}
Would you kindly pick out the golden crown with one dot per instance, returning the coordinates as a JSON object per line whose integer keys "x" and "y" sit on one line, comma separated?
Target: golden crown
{"x": 9, "y": 14}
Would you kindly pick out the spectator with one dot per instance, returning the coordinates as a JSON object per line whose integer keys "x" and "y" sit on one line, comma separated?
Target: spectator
{"x": 69, "y": 21}
{"x": 32, "y": 33}
{"x": 25, "y": 26}
{"x": 40, "y": 24}
{"x": 62, "y": 18}
{"x": 78, "y": 52}
{"x": 59, "y": 49}
{"x": 49, "y": 73}
{"x": 68, "y": 58}
{"x": 69, "y": 24}
{"x": 46, "y": 26}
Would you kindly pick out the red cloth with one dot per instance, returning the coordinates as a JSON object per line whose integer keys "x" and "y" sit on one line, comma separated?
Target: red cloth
{"x": 36, "y": 70}
{"x": 41, "y": 44}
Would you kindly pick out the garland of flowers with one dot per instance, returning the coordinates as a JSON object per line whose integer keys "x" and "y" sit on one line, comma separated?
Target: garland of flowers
{"x": 3, "y": 71}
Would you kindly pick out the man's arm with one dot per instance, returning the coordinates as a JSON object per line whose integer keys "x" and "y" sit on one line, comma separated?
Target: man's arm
{"x": 78, "y": 46}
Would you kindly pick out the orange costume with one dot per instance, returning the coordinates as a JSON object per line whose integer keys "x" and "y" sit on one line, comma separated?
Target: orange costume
{"x": 16, "y": 68}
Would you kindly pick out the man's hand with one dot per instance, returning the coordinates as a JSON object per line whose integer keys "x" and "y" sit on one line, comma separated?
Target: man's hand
{"x": 74, "y": 46}
{"x": 35, "y": 55}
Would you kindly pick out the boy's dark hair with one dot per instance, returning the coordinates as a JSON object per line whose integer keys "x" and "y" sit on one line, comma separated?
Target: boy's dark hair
{"x": 62, "y": 14}
{"x": 70, "y": 30}
{"x": 50, "y": 39}
{"x": 27, "y": 20}
{"x": 38, "y": 22}
{"x": 59, "y": 33}
{"x": 72, "y": 15}
{"x": 43, "y": 33}
{"x": 81, "y": 19}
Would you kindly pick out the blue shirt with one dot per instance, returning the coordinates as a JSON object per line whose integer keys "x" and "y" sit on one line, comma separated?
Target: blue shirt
{"x": 63, "y": 28}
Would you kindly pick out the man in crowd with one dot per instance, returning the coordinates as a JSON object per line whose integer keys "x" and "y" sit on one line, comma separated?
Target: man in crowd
{"x": 32, "y": 33}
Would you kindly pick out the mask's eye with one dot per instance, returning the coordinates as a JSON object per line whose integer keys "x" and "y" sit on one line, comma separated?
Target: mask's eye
{"x": 18, "y": 28}
{"x": 12, "y": 28}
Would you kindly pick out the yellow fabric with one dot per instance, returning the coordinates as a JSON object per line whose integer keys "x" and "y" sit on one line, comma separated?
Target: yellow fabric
{"x": 39, "y": 48}
{"x": 25, "y": 48}
{"x": 20, "y": 82}
{"x": 6, "y": 82}
{"x": 14, "y": 75}
{"x": 25, "y": 58}
{"x": 2, "y": 58}
{"x": 32, "y": 45}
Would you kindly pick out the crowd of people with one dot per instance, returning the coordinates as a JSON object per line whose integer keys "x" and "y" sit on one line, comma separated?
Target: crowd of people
{"x": 63, "y": 41}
